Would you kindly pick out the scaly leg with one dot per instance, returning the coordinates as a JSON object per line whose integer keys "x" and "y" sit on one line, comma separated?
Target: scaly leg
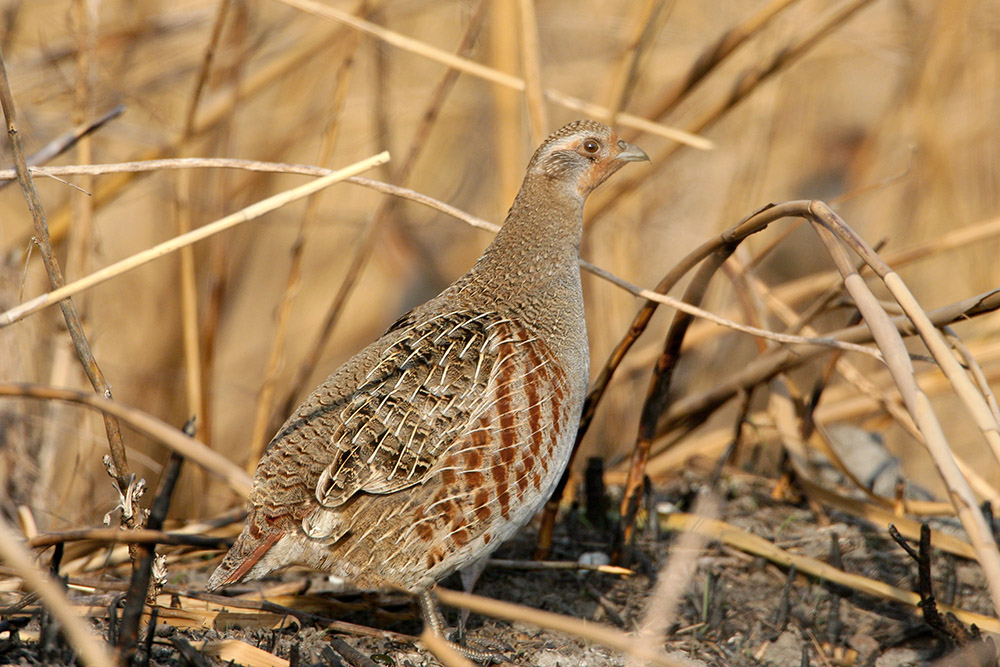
{"x": 435, "y": 623}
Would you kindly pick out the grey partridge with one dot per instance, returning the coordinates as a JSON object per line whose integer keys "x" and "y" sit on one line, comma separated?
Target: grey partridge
{"x": 435, "y": 443}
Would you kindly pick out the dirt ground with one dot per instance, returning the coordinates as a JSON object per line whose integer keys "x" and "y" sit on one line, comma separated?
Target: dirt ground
{"x": 737, "y": 610}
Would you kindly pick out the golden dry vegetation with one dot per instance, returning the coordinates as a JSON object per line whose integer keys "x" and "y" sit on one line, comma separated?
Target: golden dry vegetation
{"x": 886, "y": 109}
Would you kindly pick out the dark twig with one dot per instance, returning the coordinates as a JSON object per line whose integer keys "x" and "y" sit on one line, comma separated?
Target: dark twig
{"x": 331, "y": 658}
{"x": 946, "y": 627}
{"x": 56, "y": 561}
{"x": 68, "y": 139}
{"x": 143, "y": 536}
{"x": 783, "y": 611}
{"x": 901, "y": 541}
{"x": 150, "y": 634}
{"x": 596, "y": 496}
{"x": 834, "y": 623}
{"x": 730, "y": 453}
{"x": 25, "y": 602}
{"x": 353, "y": 656}
{"x": 56, "y": 280}
{"x": 113, "y": 633}
{"x": 190, "y": 654}
{"x": 139, "y": 586}
{"x": 607, "y": 605}
{"x": 715, "y": 597}
{"x": 657, "y": 395}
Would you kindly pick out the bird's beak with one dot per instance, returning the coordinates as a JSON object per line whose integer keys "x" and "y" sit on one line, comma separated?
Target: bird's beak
{"x": 632, "y": 153}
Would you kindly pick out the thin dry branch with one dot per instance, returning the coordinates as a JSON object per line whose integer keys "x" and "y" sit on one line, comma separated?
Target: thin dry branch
{"x": 254, "y": 165}
{"x": 119, "y": 469}
{"x": 173, "y": 438}
{"x": 489, "y": 74}
{"x": 115, "y": 536}
{"x": 975, "y": 370}
{"x": 249, "y": 213}
{"x": 193, "y": 370}
{"x": 559, "y": 565}
{"x": 544, "y": 619}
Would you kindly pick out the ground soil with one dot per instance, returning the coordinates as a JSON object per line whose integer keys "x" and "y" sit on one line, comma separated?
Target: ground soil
{"x": 737, "y": 610}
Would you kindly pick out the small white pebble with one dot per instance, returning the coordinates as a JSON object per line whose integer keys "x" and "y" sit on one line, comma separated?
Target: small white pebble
{"x": 666, "y": 508}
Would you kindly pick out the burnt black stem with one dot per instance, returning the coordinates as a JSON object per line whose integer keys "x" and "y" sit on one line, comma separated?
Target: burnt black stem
{"x": 128, "y": 630}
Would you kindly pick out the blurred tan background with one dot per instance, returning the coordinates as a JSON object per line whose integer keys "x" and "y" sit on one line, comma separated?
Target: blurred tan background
{"x": 888, "y": 107}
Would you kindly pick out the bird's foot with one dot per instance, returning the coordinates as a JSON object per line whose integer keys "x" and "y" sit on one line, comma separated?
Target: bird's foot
{"x": 485, "y": 652}
{"x": 498, "y": 652}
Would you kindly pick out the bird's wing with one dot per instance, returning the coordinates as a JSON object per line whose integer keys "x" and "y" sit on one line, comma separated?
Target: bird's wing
{"x": 381, "y": 422}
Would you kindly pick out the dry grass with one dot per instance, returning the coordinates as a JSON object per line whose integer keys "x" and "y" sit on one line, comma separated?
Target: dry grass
{"x": 885, "y": 109}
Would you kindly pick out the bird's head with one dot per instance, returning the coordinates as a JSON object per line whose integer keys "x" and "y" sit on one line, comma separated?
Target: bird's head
{"x": 582, "y": 155}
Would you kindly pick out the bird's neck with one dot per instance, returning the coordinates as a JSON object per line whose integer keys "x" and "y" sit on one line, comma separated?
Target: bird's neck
{"x": 531, "y": 271}
{"x": 540, "y": 240}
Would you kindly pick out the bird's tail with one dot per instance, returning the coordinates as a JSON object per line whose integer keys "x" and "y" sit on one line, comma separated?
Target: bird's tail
{"x": 244, "y": 560}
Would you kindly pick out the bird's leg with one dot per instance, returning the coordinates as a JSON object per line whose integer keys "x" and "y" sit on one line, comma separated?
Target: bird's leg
{"x": 431, "y": 613}
{"x": 435, "y": 623}
{"x": 470, "y": 575}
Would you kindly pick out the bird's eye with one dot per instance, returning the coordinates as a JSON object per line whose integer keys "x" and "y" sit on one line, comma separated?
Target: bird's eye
{"x": 591, "y": 146}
